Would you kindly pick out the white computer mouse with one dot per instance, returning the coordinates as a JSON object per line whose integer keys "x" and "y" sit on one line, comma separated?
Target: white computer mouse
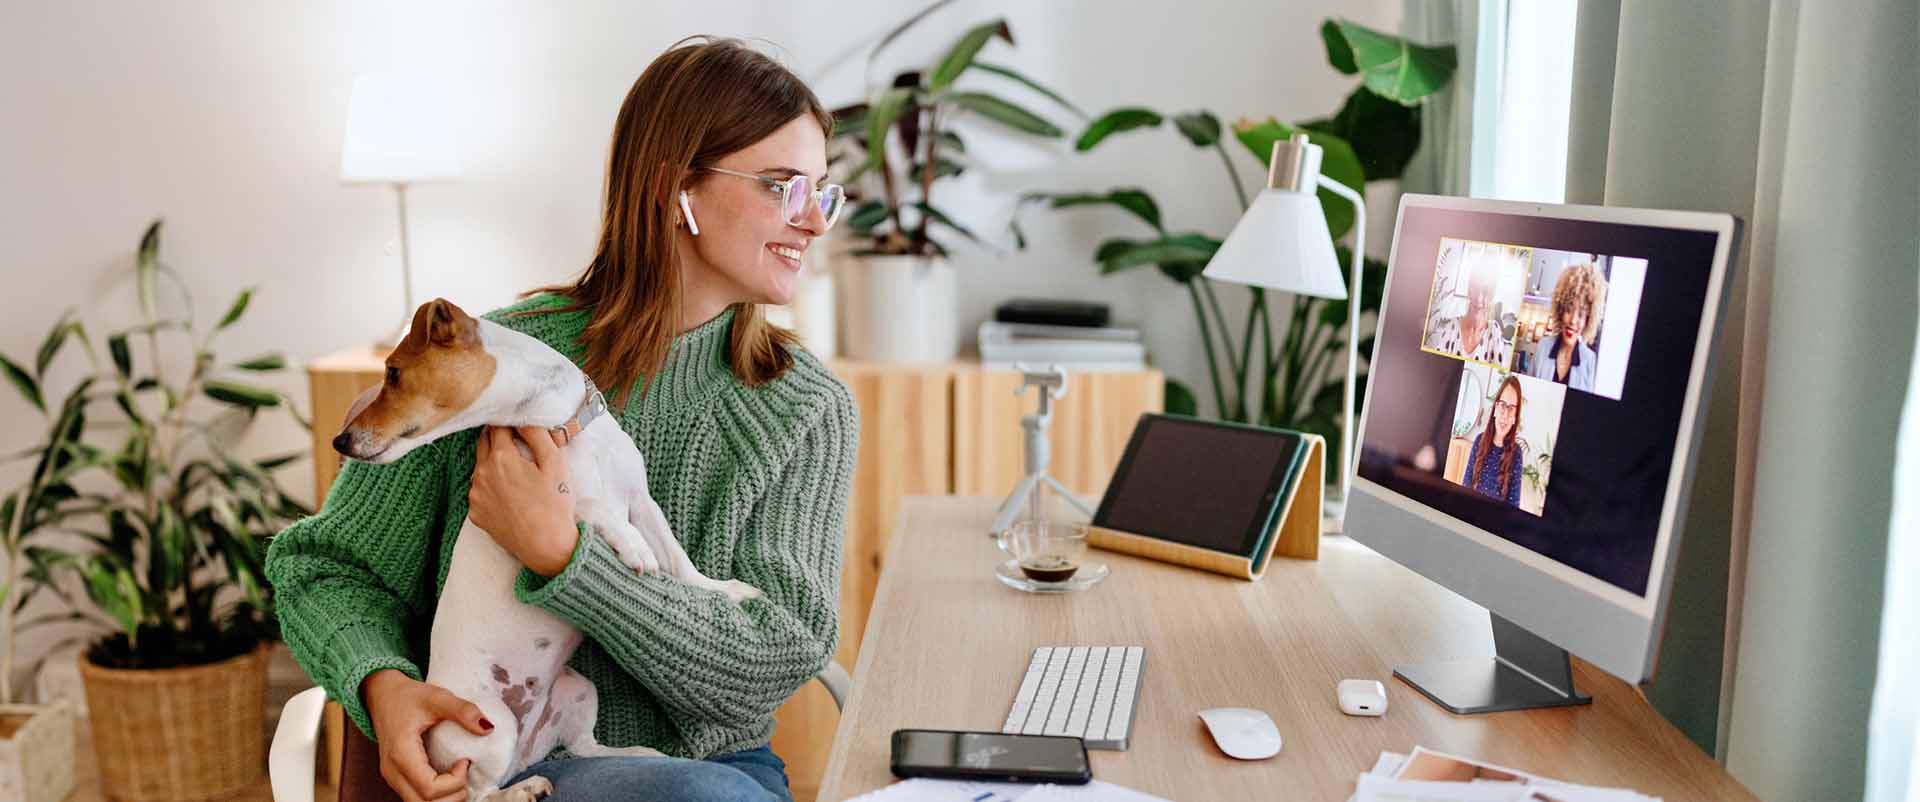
{"x": 1362, "y": 697}
{"x": 1242, "y": 733}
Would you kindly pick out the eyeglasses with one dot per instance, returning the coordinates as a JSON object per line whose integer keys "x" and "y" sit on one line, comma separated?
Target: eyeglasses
{"x": 796, "y": 194}
{"x": 1507, "y": 407}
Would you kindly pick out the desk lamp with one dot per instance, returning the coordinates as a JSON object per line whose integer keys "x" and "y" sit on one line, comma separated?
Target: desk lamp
{"x": 397, "y": 134}
{"x": 1282, "y": 243}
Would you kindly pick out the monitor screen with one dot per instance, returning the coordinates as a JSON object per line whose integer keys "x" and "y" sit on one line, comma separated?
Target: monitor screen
{"x": 1529, "y": 378}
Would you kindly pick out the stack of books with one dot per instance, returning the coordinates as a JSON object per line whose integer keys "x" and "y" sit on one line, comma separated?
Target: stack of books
{"x": 1005, "y": 346}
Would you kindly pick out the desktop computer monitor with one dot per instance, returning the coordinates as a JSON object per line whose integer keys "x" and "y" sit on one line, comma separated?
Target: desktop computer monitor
{"x": 1532, "y": 408}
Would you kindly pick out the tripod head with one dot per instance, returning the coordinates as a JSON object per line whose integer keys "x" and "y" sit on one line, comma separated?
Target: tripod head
{"x": 1052, "y": 381}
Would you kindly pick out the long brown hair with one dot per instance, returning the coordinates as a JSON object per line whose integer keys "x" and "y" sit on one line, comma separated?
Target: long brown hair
{"x": 1513, "y": 436}
{"x": 701, "y": 100}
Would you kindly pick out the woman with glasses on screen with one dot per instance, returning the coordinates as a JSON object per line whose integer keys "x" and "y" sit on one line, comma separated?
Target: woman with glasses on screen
{"x": 716, "y": 187}
{"x": 1496, "y": 461}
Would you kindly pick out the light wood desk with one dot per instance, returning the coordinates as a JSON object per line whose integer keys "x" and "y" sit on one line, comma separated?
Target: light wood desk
{"x": 947, "y": 643}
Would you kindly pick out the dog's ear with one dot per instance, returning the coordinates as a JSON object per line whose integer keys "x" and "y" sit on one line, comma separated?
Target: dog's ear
{"x": 448, "y": 325}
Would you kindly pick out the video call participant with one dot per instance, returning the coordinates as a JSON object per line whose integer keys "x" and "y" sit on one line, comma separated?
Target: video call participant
{"x": 1496, "y": 462}
{"x": 1566, "y": 358}
{"x": 1475, "y": 334}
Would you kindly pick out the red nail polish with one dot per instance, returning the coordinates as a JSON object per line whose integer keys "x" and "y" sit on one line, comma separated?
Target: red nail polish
{"x": 485, "y": 724}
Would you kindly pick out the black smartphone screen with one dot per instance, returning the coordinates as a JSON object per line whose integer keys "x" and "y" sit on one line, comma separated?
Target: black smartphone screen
{"x": 990, "y": 756}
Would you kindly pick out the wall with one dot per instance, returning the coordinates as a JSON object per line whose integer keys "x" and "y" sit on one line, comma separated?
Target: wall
{"x": 226, "y": 119}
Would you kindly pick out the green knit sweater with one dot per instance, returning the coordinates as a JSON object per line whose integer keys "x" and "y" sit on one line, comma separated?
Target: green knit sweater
{"x": 754, "y": 482}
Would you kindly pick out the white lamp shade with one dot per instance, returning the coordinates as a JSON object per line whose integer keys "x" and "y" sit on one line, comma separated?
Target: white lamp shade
{"x": 398, "y": 131}
{"x": 1282, "y": 243}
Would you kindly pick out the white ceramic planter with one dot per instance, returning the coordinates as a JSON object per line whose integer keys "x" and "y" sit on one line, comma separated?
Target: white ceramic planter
{"x": 36, "y": 757}
{"x": 898, "y": 309}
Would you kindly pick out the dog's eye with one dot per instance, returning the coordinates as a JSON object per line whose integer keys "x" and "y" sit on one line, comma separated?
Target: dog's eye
{"x": 393, "y": 376}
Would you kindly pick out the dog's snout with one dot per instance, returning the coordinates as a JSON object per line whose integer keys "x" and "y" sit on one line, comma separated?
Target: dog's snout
{"x": 343, "y": 443}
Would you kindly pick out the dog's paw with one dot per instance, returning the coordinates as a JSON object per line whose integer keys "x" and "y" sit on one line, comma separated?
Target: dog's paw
{"x": 635, "y": 554}
{"x": 531, "y": 789}
{"x": 739, "y": 591}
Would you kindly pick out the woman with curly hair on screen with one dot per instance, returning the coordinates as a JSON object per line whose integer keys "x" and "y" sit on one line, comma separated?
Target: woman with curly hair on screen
{"x": 1568, "y": 357}
{"x": 1494, "y": 469}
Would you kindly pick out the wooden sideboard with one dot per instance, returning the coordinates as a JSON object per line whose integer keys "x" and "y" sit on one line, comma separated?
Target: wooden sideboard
{"x": 924, "y": 430}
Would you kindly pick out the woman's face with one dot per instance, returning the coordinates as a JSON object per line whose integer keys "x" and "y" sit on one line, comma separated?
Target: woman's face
{"x": 1480, "y": 293}
{"x": 1574, "y": 324}
{"x": 746, "y": 251}
{"x": 1506, "y": 410}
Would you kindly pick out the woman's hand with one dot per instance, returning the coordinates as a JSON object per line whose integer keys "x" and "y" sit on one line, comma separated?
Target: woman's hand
{"x": 524, "y": 504}
{"x": 403, "y": 709}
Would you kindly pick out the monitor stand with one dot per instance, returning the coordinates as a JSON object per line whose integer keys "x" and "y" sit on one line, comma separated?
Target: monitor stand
{"x": 1525, "y": 672}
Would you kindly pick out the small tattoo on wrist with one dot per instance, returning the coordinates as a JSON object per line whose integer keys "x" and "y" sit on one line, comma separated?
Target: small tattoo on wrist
{"x": 563, "y": 488}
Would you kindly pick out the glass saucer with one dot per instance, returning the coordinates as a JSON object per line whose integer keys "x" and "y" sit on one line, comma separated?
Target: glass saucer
{"x": 1009, "y": 573}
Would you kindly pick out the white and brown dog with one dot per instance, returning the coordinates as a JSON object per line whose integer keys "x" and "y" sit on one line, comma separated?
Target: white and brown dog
{"x": 454, "y": 372}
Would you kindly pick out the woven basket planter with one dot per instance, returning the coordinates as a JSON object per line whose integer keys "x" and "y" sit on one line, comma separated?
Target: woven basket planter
{"x": 179, "y": 734}
{"x": 36, "y": 752}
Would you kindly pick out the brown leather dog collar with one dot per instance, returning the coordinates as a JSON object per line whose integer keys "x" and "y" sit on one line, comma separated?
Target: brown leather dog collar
{"x": 593, "y": 406}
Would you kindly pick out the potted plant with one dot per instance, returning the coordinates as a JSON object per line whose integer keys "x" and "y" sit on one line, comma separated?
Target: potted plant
{"x": 172, "y": 528}
{"x": 898, "y": 295}
{"x": 1298, "y": 380}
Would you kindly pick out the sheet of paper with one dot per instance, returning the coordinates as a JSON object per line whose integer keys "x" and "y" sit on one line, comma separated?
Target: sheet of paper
{"x": 1095, "y": 791}
{"x": 1430, "y": 766}
{"x": 1375, "y": 788}
{"x": 921, "y": 789}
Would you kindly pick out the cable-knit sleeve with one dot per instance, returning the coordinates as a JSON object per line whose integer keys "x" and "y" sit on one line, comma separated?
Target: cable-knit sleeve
{"x": 351, "y": 580}
{"x": 702, "y": 655}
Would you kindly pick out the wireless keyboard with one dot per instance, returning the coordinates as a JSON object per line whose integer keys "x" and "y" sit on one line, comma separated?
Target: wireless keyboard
{"x": 1085, "y": 691}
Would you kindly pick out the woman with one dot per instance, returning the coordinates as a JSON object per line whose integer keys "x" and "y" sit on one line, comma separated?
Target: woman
{"x": 1475, "y": 334}
{"x": 1494, "y": 469}
{"x": 710, "y": 200}
{"x": 1567, "y": 358}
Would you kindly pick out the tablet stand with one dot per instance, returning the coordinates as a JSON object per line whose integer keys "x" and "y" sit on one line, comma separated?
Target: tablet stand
{"x": 1053, "y": 384}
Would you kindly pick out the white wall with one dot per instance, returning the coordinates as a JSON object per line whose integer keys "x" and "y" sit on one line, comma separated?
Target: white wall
{"x": 226, "y": 119}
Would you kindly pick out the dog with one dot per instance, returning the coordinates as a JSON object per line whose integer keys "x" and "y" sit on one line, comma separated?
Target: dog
{"x": 455, "y": 372}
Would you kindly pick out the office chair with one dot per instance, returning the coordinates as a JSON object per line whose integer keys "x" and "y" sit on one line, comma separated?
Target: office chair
{"x": 291, "y": 759}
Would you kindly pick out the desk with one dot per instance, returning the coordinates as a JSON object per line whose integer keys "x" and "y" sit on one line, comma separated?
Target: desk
{"x": 947, "y": 643}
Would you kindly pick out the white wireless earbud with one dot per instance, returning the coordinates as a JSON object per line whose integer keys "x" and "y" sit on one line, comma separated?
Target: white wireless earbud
{"x": 692, "y": 227}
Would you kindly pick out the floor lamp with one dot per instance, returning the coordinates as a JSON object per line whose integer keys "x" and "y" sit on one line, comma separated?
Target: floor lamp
{"x": 1282, "y": 243}
{"x": 398, "y": 135}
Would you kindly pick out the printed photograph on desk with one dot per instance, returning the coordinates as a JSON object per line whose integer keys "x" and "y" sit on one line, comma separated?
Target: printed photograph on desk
{"x": 1576, "y": 319}
{"x": 1504, "y": 427}
{"x": 1473, "y": 308}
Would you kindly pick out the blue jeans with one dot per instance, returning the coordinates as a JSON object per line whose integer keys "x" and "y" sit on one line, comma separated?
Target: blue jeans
{"x": 752, "y": 775}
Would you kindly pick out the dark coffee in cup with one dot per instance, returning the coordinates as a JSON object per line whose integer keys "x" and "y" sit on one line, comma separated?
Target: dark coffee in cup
{"x": 1047, "y": 568}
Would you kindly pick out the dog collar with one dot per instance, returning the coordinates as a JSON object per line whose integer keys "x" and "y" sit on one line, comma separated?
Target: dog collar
{"x": 593, "y": 406}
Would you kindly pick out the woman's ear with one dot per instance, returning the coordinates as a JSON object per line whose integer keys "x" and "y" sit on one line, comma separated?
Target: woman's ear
{"x": 687, "y": 212}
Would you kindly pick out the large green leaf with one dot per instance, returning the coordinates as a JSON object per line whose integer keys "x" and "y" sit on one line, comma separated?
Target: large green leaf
{"x": 850, "y": 121}
{"x": 1115, "y": 122}
{"x": 1029, "y": 83}
{"x": 241, "y": 394}
{"x": 1200, "y": 127}
{"x": 24, "y": 382}
{"x": 1171, "y": 249}
{"x": 940, "y": 217}
{"x": 886, "y": 109}
{"x": 1339, "y": 54}
{"x": 1337, "y": 162}
{"x": 238, "y": 308}
{"x": 1384, "y": 134}
{"x": 960, "y": 56}
{"x": 870, "y": 213}
{"x": 1395, "y": 68}
{"x": 1005, "y": 113}
{"x": 1132, "y": 199}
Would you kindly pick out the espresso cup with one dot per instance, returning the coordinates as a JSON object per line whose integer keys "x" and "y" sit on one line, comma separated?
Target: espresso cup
{"x": 1046, "y": 551}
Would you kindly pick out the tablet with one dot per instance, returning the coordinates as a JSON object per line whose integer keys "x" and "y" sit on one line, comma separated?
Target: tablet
{"x": 1222, "y": 487}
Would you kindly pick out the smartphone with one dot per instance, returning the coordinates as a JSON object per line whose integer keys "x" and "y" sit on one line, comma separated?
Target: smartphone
{"x": 957, "y": 755}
